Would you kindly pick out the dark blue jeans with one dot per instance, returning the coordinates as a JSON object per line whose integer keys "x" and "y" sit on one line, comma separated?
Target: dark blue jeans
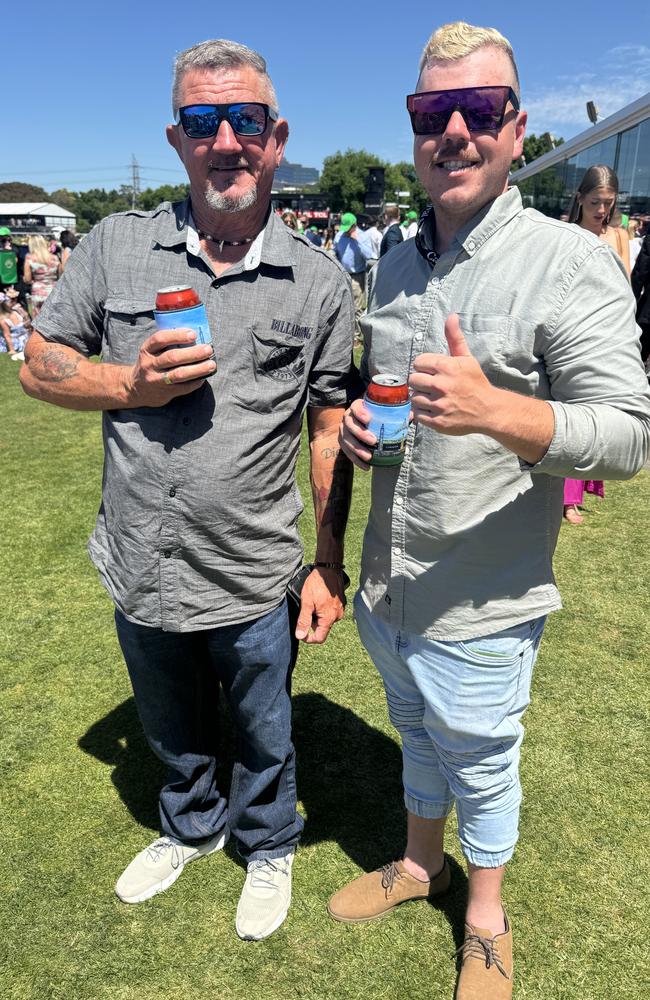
{"x": 176, "y": 678}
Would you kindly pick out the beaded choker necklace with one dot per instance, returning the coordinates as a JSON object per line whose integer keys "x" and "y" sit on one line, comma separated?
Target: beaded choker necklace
{"x": 224, "y": 243}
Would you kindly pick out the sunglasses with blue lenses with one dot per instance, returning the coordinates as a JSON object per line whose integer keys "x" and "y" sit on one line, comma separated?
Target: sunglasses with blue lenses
{"x": 482, "y": 108}
{"x": 202, "y": 121}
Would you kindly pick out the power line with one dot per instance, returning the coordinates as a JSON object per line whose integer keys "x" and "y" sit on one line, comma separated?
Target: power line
{"x": 166, "y": 170}
{"x": 84, "y": 170}
{"x": 78, "y": 170}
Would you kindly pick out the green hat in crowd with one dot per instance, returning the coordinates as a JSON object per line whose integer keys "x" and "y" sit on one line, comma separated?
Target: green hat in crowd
{"x": 347, "y": 221}
{"x": 4, "y": 231}
{"x": 411, "y": 216}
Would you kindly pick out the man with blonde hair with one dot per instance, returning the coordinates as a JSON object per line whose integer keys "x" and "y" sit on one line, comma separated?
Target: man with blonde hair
{"x": 517, "y": 336}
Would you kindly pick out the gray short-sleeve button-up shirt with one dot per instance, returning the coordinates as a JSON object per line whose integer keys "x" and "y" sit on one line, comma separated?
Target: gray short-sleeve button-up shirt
{"x": 198, "y": 522}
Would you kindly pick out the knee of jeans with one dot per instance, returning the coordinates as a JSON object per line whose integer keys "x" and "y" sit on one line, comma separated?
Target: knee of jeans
{"x": 487, "y": 775}
{"x": 417, "y": 748}
{"x": 267, "y": 747}
{"x": 406, "y": 716}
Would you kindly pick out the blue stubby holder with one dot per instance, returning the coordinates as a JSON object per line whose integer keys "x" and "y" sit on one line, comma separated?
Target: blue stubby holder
{"x": 390, "y": 425}
{"x": 194, "y": 318}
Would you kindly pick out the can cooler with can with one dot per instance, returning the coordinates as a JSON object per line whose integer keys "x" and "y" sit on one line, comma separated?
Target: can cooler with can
{"x": 180, "y": 306}
{"x": 387, "y": 402}
{"x": 390, "y": 425}
{"x": 194, "y": 318}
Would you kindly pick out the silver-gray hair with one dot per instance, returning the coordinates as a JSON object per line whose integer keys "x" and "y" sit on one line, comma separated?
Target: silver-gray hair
{"x": 219, "y": 54}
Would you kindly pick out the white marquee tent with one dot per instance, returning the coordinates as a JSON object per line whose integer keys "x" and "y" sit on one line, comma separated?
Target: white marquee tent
{"x": 35, "y": 217}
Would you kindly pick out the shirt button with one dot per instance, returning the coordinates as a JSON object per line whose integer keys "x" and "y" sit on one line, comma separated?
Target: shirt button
{"x": 399, "y": 501}
{"x": 397, "y": 551}
{"x": 418, "y": 336}
{"x": 187, "y": 421}
{"x": 166, "y": 553}
{"x": 434, "y": 280}
{"x": 471, "y": 245}
{"x": 172, "y": 492}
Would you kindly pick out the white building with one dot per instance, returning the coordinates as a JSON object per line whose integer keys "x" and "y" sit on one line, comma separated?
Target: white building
{"x": 25, "y": 217}
{"x": 621, "y": 142}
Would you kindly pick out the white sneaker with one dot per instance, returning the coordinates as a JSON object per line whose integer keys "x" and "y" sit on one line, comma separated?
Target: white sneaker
{"x": 159, "y": 865}
{"x": 265, "y": 898}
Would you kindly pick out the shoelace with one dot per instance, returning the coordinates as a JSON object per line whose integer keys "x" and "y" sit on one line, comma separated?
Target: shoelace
{"x": 263, "y": 870}
{"x": 475, "y": 946}
{"x": 159, "y": 848}
{"x": 389, "y": 874}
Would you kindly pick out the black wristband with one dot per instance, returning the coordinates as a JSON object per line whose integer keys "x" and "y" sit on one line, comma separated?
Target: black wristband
{"x": 329, "y": 565}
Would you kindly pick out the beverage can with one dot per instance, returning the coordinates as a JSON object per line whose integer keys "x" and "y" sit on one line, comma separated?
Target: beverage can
{"x": 387, "y": 401}
{"x": 180, "y": 306}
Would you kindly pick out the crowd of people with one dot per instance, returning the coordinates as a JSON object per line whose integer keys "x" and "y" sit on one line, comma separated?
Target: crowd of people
{"x": 516, "y": 336}
{"x": 369, "y": 228}
{"x": 357, "y": 245}
{"x": 29, "y": 269}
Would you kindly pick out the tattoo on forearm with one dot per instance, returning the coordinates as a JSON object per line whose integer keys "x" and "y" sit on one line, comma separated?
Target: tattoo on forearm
{"x": 54, "y": 365}
{"x": 333, "y": 504}
{"x": 330, "y": 452}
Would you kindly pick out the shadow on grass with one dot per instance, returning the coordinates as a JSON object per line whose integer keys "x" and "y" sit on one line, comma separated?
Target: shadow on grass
{"x": 348, "y": 777}
{"x": 137, "y": 774}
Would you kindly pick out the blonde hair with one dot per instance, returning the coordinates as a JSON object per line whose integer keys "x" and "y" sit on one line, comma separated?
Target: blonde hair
{"x": 290, "y": 220}
{"x": 39, "y": 249}
{"x": 632, "y": 227}
{"x": 454, "y": 41}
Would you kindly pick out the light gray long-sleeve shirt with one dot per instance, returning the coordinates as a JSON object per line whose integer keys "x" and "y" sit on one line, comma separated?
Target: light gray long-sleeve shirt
{"x": 460, "y": 538}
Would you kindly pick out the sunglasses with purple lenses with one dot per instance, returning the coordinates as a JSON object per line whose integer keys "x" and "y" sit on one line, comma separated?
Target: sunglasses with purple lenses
{"x": 483, "y": 108}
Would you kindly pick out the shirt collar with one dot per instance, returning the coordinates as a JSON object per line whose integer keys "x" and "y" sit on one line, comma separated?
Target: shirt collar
{"x": 480, "y": 227}
{"x": 272, "y": 245}
{"x": 170, "y": 222}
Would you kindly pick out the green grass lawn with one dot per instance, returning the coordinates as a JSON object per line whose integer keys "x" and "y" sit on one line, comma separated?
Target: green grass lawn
{"x": 78, "y": 791}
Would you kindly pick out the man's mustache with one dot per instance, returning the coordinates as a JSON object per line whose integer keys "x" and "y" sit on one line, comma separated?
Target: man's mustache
{"x": 227, "y": 164}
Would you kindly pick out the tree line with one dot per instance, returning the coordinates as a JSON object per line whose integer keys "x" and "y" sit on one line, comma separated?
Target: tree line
{"x": 343, "y": 180}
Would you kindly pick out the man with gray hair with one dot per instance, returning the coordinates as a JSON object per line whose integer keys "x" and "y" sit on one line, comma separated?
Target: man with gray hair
{"x": 516, "y": 334}
{"x": 196, "y": 539}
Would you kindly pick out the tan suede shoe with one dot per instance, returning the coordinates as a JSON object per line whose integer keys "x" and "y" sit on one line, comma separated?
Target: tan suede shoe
{"x": 486, "y": 973}
{"x": 376, "y": 893}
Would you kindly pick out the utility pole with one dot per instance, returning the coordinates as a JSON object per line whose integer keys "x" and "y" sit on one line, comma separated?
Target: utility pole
{"x": 135, "y": 181}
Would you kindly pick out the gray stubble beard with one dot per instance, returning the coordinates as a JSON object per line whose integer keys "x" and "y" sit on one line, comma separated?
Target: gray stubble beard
{"x": 228, "y": 204}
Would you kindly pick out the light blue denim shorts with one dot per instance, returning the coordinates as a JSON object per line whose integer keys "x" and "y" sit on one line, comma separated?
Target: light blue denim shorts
{"x": 458, "y": 709}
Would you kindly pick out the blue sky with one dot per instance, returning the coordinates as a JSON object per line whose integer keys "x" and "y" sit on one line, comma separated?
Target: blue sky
{"x": 92, "y": 82}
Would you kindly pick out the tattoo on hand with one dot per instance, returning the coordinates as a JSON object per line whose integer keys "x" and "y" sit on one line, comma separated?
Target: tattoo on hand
{"x": 54, "y": 365}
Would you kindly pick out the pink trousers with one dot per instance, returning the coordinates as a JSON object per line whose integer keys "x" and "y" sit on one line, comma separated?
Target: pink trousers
{"x": 574, "y": 490}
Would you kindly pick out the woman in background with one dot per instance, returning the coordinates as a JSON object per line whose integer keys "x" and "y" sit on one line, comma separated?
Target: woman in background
{"x": 42, "y": 269}
{"x": 68, "y": 243}
{"x": 290, "y": 220}
{"x": 14, "y": 329}
{"x": 593, "y": 208}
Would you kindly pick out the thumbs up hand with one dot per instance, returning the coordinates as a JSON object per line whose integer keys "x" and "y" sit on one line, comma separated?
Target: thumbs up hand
{"x": 450, "y": 392}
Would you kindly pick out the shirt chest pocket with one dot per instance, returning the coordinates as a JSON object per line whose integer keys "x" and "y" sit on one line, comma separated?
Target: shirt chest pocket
{"x": 487, "y": 338}
{"x": 272, "y": 372}
{"x": 127, "y": 324}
